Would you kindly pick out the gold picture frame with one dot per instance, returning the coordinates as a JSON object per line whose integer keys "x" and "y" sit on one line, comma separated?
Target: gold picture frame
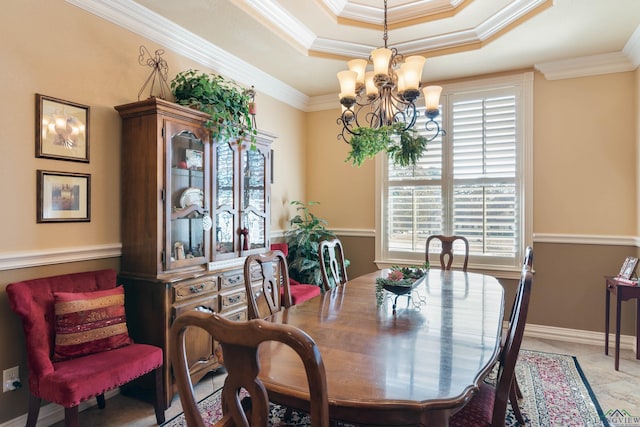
{"x": 62, "y": 129}
{"x": 63, "y": 197}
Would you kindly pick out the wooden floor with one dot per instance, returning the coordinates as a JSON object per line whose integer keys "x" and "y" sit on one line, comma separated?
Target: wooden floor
{"x": 614, "y": 390}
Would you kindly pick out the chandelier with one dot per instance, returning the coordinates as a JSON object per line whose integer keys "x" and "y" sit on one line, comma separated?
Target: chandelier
{"x": 386, "y": 96}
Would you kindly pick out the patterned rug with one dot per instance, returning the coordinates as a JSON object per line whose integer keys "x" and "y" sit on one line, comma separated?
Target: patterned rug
{"x": 556, "y": 394}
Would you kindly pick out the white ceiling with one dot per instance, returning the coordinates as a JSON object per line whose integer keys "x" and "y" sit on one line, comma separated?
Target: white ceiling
{"x": 298, "y": 46}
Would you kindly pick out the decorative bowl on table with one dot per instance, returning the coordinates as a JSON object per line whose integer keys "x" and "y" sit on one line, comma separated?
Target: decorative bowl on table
{"x": 399, "y": 281}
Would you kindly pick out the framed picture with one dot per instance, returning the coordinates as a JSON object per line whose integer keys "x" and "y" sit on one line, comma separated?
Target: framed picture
{"x": 62, "y": 129}
{"x": 628, "y": 268}
{"x": 63, "y": 197}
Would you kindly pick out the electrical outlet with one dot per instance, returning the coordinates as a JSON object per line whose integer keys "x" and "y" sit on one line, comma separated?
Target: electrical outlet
{"x": 9, "y": 377}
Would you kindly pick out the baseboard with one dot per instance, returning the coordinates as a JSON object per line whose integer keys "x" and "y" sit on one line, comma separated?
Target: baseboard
{"x": 52, "y": 413}
{"x": 627, "y": 342}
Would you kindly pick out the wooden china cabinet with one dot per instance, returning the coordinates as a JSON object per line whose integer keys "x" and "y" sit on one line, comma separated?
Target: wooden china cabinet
{"x": 192, "y": 209}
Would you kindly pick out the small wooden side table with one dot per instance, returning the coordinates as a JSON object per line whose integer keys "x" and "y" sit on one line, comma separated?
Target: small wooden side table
{"x": 623, "y": 292}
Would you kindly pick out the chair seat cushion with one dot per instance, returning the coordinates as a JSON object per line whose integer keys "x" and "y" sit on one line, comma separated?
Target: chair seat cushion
{"x": 301, "y": 292}
{"x": 79, "y": 379}
{"x": 89, "y": 322}
{"x": 479, "y": 411}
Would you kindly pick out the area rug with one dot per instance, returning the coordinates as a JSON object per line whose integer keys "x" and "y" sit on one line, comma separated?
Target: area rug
{"x": 556, "y": 394}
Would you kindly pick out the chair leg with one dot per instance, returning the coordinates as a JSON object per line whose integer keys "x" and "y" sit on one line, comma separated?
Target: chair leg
{"x": 513, "y": 398}
{"x": 34, "y": 410}
{"x": 518, "y": 391}
{"x": 101, "y": 401}
{"x": 71, "y": 417}
{"x": 159, "y": 403}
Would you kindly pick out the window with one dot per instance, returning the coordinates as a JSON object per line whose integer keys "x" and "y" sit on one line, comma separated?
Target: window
{"x": 474, "y": 181}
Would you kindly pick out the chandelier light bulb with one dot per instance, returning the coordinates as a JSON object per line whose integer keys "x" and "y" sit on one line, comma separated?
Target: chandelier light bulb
{"x": 432, "y": 97}
{"x": 359, "y": 66}
{"x": 381, "y": 58}
{"x": 347, "y": 80}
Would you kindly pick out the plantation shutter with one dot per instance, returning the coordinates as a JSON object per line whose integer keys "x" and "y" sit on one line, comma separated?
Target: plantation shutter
{"x": 467, "y": 183}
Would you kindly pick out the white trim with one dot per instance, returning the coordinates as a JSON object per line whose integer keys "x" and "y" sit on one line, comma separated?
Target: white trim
{"x": 607, "y": 63}
{"x": 587, "y": 239}
{"x": 37, "y": 258}
{"x": 13, "y": 260}
{"x": 53, "y": 413}
{"x": 130, "y": 15}
{"x": 627, "y": 342}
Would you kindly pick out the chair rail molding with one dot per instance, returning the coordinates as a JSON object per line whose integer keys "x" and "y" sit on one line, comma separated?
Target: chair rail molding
{"x": 36, "y": 258}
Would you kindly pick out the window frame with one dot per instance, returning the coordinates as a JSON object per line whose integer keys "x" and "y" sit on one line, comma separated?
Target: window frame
{"x": 522, "y": 84}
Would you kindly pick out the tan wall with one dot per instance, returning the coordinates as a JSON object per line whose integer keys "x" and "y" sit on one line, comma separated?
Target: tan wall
{"x": 584, "y": 185}
{"x": 59, "y": 50}
{"x": 585, "y": 162}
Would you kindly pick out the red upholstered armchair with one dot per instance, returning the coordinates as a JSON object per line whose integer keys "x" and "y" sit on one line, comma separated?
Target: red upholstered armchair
{"x": 300, "y": 292}
{"x": 77, "y": 342}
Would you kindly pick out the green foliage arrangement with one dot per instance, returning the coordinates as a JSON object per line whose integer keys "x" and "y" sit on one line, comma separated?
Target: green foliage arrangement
{"x": 404, "y": 147}
{"x": 224, "y": 100}
{"x": 303, "y": 238}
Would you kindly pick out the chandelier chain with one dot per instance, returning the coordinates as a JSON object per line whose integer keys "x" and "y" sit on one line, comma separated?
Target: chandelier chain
{"x": 384, "y": 37}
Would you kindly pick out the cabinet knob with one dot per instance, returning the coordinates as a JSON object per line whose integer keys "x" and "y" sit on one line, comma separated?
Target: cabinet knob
{"x": 196, "y": 289}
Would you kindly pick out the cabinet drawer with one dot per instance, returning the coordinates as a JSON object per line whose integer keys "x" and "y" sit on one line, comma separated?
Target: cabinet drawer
{"x": 205, "y": 305}
{"x": 232, "y": 299}
{"x": 193, "y": 288}
{"x": 237, "y": 316}
{"x": 231, "y": 279}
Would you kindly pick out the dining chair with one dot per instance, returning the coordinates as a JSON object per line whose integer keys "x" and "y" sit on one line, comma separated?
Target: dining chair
{"x": 527, "y": 264}
{"x": 77, "y": 342}
{"x": 446, "y": 253}
{"x": 239, "y": 342}
{"x": 488, "y": 407}
{"x": 332, "y": 264}
{"x": 267, "y": 298}
{"x": 300, "y": 292}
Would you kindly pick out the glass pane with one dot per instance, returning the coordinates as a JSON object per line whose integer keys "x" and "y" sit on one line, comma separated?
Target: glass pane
{"x": 187, "y": 197}
{"x": 254, "y": 180}
{"x": 257, "y": 225}
{"x": 224, "y": 232}
{"x": 224, "y": 175}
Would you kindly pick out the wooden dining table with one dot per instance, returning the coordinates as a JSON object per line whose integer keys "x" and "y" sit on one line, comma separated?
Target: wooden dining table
{"x": 415, "y": 366}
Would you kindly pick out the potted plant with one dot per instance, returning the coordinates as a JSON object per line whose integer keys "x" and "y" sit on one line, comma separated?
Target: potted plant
{"x": 303, "y": 239}
{"x": 404, "y": 147}
{"x": 224, "y": 100}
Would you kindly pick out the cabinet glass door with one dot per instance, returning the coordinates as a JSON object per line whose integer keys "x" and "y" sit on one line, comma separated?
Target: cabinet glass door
{"x": 189, "y": 220}
{"x": 254, "y": 217}
{"x": 226, "y": 215}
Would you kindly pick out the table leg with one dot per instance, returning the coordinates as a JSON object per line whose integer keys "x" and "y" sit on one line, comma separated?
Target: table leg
{"x": 637, "y": 328}
{"x": 606, "y": 320}
{"x": 618, "y": 307}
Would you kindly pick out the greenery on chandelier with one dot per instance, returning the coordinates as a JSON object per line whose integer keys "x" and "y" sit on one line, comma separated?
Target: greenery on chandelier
{"x": 224, "y": 100}
{"x": 404, "y": 147}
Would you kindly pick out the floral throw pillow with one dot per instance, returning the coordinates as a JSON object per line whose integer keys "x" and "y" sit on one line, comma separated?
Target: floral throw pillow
{"x": 89, "y": 322}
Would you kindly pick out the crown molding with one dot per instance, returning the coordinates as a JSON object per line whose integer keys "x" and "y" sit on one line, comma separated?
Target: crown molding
{"x": 275, "y": 17}
{"x": 607, "y": 63}
{"x": 130, "y": 15}
{"x": 632, "y": 48}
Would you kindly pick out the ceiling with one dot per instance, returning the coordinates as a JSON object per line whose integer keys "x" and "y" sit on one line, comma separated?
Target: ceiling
{"x": 302, "y": 44}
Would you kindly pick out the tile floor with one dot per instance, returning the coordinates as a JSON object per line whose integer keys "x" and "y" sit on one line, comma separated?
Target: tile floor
{"x": 614, "y": 390}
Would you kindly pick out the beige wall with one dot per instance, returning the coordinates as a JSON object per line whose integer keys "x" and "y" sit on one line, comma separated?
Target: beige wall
{"x": 585, "y": 133}
{"x": 585, "y": 164}
{"x": 54, "y": 48}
